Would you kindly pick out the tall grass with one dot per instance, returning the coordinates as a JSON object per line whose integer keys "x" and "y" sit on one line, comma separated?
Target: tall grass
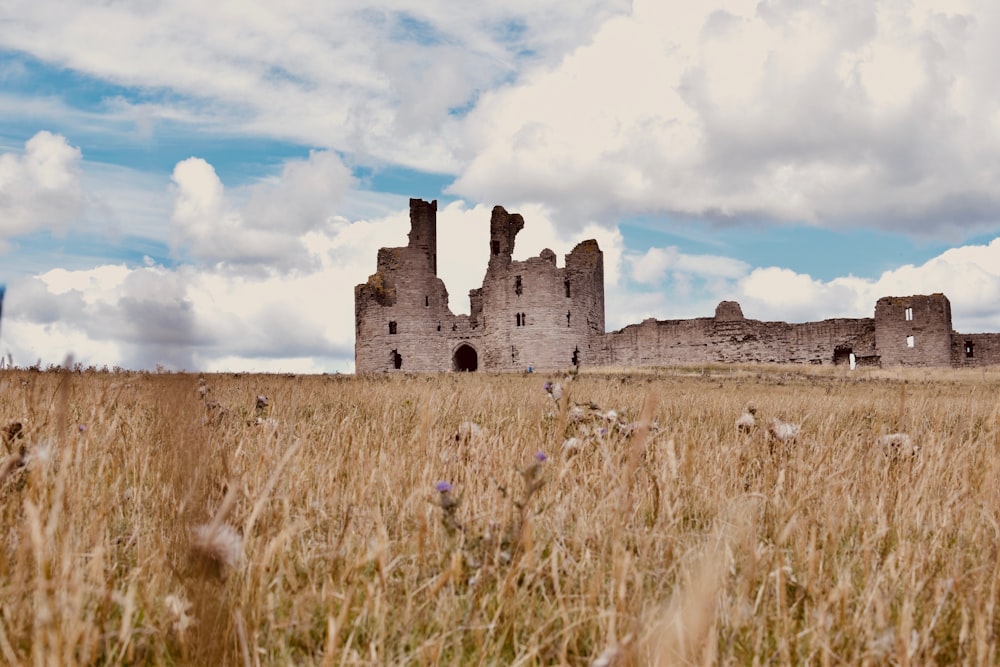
{"x": 148, "y": 528}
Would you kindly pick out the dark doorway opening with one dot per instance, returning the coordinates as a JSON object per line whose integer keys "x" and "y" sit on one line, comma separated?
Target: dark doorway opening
{"x": 576, "y": 357}
{"x": 466, "y": 358}
{"x": 397, "y": 359}
{"x": 842, "y": 356}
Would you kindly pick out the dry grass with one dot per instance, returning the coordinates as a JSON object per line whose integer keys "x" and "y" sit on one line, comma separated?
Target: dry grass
{"x": 146, "y": 528}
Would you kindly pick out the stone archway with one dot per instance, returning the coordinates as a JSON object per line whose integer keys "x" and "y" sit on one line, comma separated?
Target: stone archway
{"x": 465, "y": 358}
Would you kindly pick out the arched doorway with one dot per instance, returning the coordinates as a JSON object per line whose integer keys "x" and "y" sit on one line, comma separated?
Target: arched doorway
{"x": 465, "y": 358}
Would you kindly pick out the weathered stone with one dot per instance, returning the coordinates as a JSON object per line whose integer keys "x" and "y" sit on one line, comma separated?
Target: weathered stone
{"x": 533, "y": 314}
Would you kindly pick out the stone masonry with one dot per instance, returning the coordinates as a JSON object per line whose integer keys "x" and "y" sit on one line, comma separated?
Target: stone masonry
{"x": 535, "y": 314}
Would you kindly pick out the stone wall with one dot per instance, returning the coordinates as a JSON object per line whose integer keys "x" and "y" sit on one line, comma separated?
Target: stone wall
{"x": 402, "y": 310}
{"x": 528, "y": 313}
{"x": 727, "y": 340}
{"x": 532, "y": 313}
{"x": 913, "y": 330}
{"x": 975, "y": 350}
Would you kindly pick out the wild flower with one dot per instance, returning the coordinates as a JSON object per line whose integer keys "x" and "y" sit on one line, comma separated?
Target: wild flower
{"x": 783, "y": 431}
{"x": 179, "y": 609}
{"x": 895, "y": 445}
{"x": 572, "y": 445}
{"x": 747, "y": 421}
{"x": 219, "y": 543}
{"x": 554, "y": 389}
{"x": 449, "y": 506}
{"x": 541, "y": 457}
{"x": 469, "y": 431}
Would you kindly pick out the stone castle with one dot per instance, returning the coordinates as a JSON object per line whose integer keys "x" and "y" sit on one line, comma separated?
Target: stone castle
{"x": 534, "y": 314}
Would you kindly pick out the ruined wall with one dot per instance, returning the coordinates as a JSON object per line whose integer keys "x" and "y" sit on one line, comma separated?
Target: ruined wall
{"x": 728, "y": 338}
{"x": 527, "y": 313}
{"x": 913, "y": 330}
{"x": 534, "y": 313}
{"x": 402, "y": 310}
{"x": 975, "y": 350}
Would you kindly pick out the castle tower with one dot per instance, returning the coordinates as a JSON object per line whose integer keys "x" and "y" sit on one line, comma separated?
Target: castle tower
{"x": 423, "y": 229}
{"x": 532, "y": 313}
{"x": 401, "y": 310}
{"x": 913, "y": 330}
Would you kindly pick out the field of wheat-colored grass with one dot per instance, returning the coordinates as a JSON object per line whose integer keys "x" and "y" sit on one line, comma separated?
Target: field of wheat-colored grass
{"x": 474, "y": 519}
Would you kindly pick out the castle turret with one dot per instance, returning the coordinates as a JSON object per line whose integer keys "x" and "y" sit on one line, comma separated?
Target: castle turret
{"x": 504, "y": 227}
{"x": 402, "y": 308}
{"x": 913, "y": 330}
{"x": 423, "y": 229}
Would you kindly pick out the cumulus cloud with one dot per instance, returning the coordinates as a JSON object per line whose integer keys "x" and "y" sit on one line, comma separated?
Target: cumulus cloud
{"x": 880, "y": 113}
{"x": 40, "y": 188}
{"x": 968, "y": 275}
{"x": 652, "y": 266}
{"x": 380, "y": 81}
{"x": 200, "y": 317}
{"x": 262, "y": 226}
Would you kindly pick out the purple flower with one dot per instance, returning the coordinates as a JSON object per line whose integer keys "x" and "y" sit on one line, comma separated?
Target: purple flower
{"x": 541, "y": 457}
{"x": 547, "y": 387}
{"x": 83, "y": 427}
{"x": 444, "y": 487}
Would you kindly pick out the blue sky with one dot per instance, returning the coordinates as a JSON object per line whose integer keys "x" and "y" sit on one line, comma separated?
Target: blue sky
{"x": 201, "y": 186}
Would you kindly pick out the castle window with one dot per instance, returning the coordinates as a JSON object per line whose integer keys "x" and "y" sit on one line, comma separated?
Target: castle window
{"x": 392, "y": 327}
{"x": 910, "y": 341}
{"x": 427, "y": 301}
{"x": 576, "y": 357}
{"x": 566, "y": 285}
{"x": 518, "y": 288}
{"x": 969, "y": 350}
{"x": 495, "y": 247}
{"x": 909, "y": 315}
{"x": 397, "y": 359}
{"x": 439, "y": 326}
{"x": 521, "y": 319}
{"x": 567, "y": 318}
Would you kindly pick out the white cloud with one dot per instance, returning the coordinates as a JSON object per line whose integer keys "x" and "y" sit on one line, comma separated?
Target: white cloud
{"x": 653, "y": 266}
{"x": 380, "y": 80}
{"x": 262, "y": 227}
{"x": 40, "y": 189}
{"x": 881, "y": 114}
{"x": 969, "y": 276}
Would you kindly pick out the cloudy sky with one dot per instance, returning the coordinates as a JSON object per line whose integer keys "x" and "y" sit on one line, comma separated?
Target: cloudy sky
{"x": 201, "y": 184}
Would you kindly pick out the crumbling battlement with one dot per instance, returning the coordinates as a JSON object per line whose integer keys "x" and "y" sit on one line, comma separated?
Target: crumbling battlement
{"x": 534, "y": 314}
{"x": 529, "y": 313}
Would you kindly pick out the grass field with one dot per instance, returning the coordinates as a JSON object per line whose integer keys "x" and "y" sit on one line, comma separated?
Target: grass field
{"x": 152, "y": 520}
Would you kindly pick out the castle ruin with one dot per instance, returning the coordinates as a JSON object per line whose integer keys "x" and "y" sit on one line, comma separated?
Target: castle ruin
{"x": 534, "y": 314}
